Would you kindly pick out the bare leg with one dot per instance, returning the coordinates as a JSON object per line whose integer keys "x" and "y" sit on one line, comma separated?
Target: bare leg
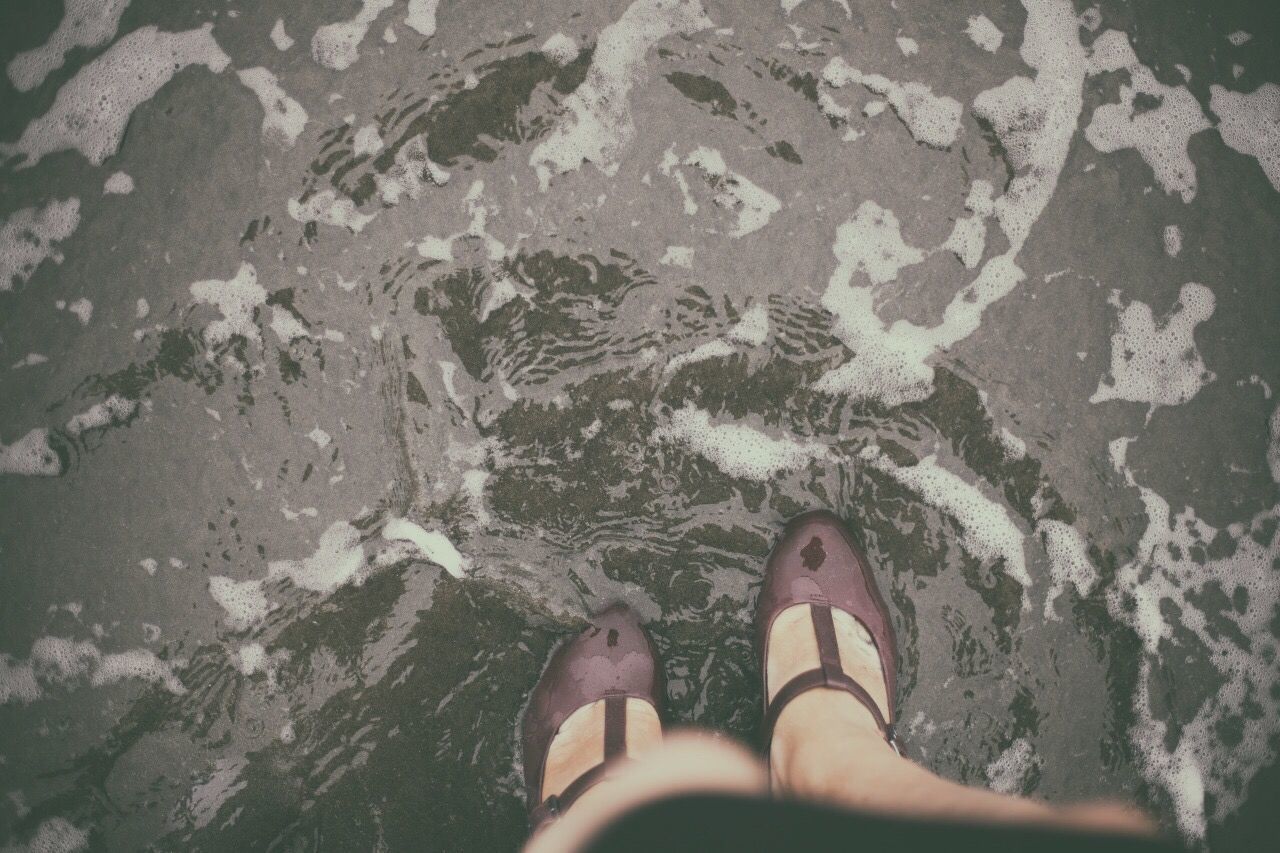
{"x": 826, "y": 745}
{"x": 682, "y": 763}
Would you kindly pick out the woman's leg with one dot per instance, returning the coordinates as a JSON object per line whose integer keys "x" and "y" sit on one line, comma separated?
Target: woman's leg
{"x": 681, "y": 763}
{"x": 826, "y": 745}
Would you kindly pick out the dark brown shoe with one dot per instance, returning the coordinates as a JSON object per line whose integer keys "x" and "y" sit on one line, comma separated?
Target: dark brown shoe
{"x": 613, "y": 660}
{"x": 817, "y": 563}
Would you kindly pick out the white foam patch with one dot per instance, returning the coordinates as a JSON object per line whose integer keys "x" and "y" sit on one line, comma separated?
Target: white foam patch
{"x": 30, "y": 456}
{"x": 1035, "y": 120}
{"x": 63, "y": 662}
{"x": 1008, "y": 773}
{"x": 702, "y": 352}
{"x": 737, "y": 449}
{"x": 31, "y": 359}
{"x": 1157, "y": 362}
{"x": 932, "y": 119}
{"x": 560, "y": 49}
{"x": 244, "y": 602}
{"x": 441, "y": 248}
{"x": 1171, "y": 565}
{"x": 678, "y": 256}
{"x": 279, "y": 37}
{"x": 597, "y": 123}
{"x": 968, "y": 240}
{"x": 410, "y": 173}
{"x": 91, "y": 110}
{"x": 336, "y": 46}
{"x": 118, "y": 184}
{"x": 908, "y": 46}
{"x": 327, "y": 208}
{"x": 85, "y": 23}
{"x": 872, "y": 244}
{"x": 1158, "y": 129}
{"x": 1250, "y": 123}
{"x": 238, "y": 299}
{"x": 1068, "y": 561}
{"x": 1239, "y": 37}
{"x": 54, "y": 835}
{"x": 430, "y": 545}
{"x": 112, "y": 411}
{"x": 753, "y": 205}
{"x": 366, "y": 141}
{"x": 82, "y": 308}
{"x": 251, "y": 658}
{"x": 338, "y": 560}
{"x": 27, "y": 238}
{"x": 753, "y": 327}
{"x": 984, "y": 34}
{"x": 421, "y": 16}
{"x": 1172, "y": 237}
{"x": 987, "y": 532}
{"x": 283, "y": 118}
{"x": 286, "y": 326}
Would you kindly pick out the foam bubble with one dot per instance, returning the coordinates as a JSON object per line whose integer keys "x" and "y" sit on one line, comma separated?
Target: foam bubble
{"x": 366, "y": 141}
{"x": 92, "y": 109}
{"x": 54, "y": 835}
{"x": 987, "y": 531}
{"x": 1239, "y": 37}
{"x": 27, "y": 238}
{"x": 1250, "y": 123}
{"x": 410, "y": 172}
{"x": 336, "y": 46}
{"x": 753, "y": 205}
{"x": 753, "y": 327}
{"x": 429, "y": 544}
{"x": 1159, "y": 133}
{"x": 1158, "y": 363}
{"x": 62, "y": 661}
{"x": 118, "y": 184}
{"x": 282, "y": 117}
{"x": 984, "y": 34}
{"x": 1172, "y": 240}
{"x": 1172, "y": 572}
{"x": 85, "y": 23}
{"x": 29, "y": 360}
{"x": 1068, "y": 561}
{"x": 421, "y": 16}
{"x": 560, "y": 49}
{"x": 932, "y": 119}
{"x": 112, "y": 411}
{"x": 908, "y": 46}
{"x": 327, "y": 208}
{"x": 286, "y": 326}
{"x": 237, "y": 298}
{"x": 244, "y": 602}
{"x": 678, "y": 256}
{"x": 1008, "y": 773}
{"x": 82, "y": 308}
{"x": 1035, "y": 120}
{"x": 251, "y": 658}
{"x": 279, "y": 37}
{"x": 737, "y": 449}
{"x": 338, "y": 559}
{"x": 597, "y": 119}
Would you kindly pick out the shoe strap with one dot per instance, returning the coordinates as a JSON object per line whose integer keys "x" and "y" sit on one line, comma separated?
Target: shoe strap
{"x": 615, "y": 752}
{"x": 829, "y": 674}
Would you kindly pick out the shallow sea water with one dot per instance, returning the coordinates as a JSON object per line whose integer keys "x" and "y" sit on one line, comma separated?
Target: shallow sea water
{"x": 381, "y": 345}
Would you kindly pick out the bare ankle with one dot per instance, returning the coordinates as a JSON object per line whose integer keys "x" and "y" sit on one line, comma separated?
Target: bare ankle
{"x": 819, "y": 731}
